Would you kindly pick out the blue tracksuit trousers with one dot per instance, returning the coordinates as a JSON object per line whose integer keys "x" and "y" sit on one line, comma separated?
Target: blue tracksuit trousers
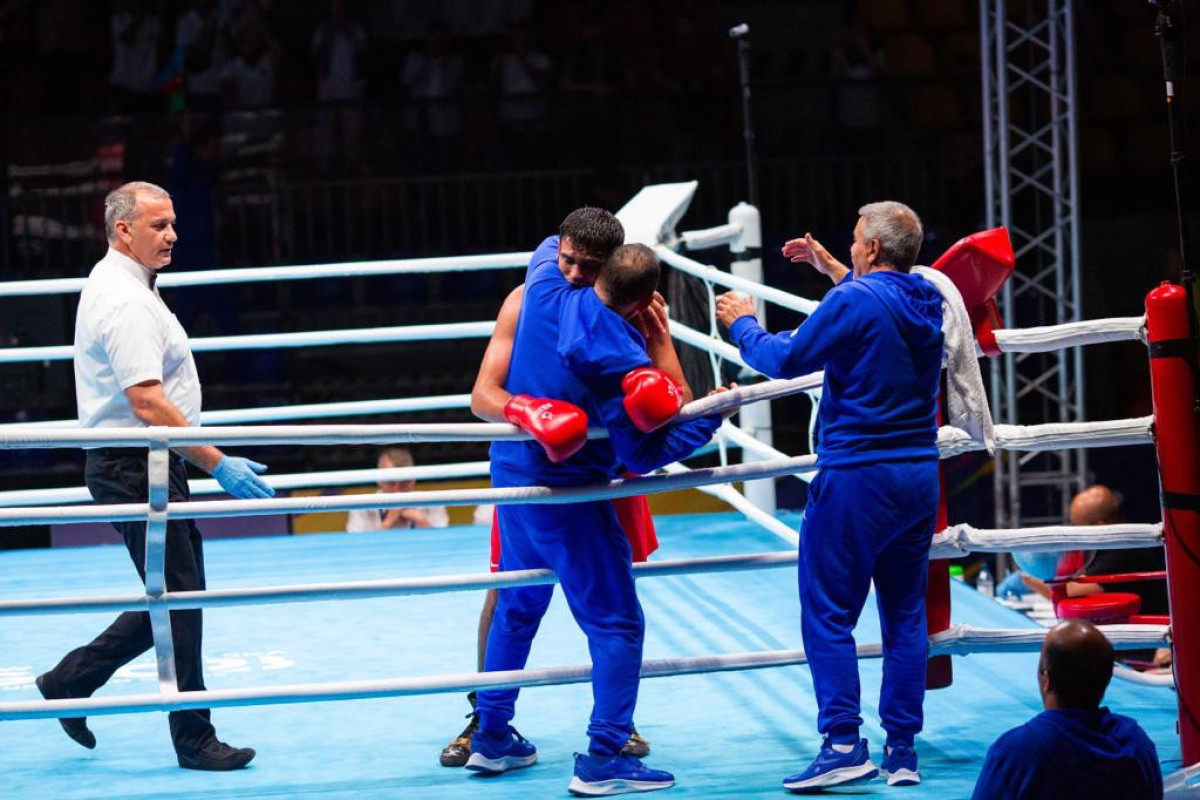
{"x": 584, "y": 544}
{"x": 863, "y": 523}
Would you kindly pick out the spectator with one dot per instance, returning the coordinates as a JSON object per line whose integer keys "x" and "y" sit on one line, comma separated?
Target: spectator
{"x": 699, "y": 89}
{"x": 249, "y": 78}
{"x": 1099, "y": 505}
{"x": 433, "y": 77}
{"x": 377, "y": 519}
{"x": 1074, "y": 748}
{"x": 591, "y": 69}
{"x": 200, "y": 47}
{"x": 234, "y": 17}
{"x": 136, "y": 31}
{"x": 854, "y": 65}
{"x": 523, "y": 75}
{"x": 339, "y": 45}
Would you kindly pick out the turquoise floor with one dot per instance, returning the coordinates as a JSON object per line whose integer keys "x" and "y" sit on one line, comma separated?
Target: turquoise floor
{"x": 726, "y": 735}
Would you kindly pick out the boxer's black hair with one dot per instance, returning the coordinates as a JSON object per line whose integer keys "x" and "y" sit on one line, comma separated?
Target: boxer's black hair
{"x": 593, "y": 230}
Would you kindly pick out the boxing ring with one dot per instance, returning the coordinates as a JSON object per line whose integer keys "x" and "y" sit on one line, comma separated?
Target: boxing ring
{"x": 720, "y": 599}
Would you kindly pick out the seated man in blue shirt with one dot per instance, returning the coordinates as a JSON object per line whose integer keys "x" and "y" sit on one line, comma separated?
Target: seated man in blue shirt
{"x": 575, "y": 345}
{"x": 1074, "y": 747}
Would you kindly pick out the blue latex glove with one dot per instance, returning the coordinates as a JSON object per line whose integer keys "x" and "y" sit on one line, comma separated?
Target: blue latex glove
{"x": 1012, "y": 585}
{"x": 239, "y": 477}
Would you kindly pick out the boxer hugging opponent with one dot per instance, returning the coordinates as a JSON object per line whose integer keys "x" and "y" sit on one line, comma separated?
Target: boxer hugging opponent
{"x": 600, "y": 356}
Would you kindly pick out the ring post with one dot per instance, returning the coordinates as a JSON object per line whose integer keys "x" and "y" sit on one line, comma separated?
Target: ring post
{"x": 1172, "y": 348}
{"x": 755, "y": 419}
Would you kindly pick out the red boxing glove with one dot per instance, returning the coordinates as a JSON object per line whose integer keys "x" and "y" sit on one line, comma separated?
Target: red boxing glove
{"x": 559, "y": 427}
{"x": 652, "y": 397}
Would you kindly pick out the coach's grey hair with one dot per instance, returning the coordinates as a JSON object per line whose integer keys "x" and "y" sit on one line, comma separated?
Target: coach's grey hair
{"x": 121, "y": 204}
{"x": 898, "y": 229}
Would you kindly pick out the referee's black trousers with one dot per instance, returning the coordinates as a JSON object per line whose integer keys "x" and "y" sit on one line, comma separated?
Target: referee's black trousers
{"x": 118, "y": 475}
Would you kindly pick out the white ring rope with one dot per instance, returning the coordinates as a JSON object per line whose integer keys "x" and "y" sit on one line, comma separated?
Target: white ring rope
{"x": 1162, "y": 680}
{"x": 958, "y": 640}
{"x": 714, "y": 275}
{"x": 397, "y": 587}
{"x": 261, "y": 341}
{"x": 951, "y": 441}
{"x": 959, "y": 540}
{"x": 15, "y": 437}
{"x": 740, "y": 503}
{"x": 1031, "y": 340}
{"x": 954, "y": 542}
{"x": 961, "y": 639}
{"x": 707, "y": 343}
{"x": 737, "y": 437}
{"x": 1049, "y": 338}
{"x": 1052, "y": 436}
{"x": 533, "y": 495}
{"x": 346, "y": 269}
{"x": 300, "y": 480}
{"x": 752, "y": 393}
{"x": 349, "y": 408}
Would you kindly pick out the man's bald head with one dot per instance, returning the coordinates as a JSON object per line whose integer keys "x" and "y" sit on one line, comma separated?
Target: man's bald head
{"x": 1096, "y": 505}
{"x": 1076, "y": 665}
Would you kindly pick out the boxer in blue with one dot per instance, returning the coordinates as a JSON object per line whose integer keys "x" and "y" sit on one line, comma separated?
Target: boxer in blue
{"x": 575, "y": 345}
{"x": 871, "y": 509}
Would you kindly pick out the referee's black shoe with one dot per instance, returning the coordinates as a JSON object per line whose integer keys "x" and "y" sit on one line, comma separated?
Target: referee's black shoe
{"x": 76, "y": 727}
{"x": 217, "y": 756}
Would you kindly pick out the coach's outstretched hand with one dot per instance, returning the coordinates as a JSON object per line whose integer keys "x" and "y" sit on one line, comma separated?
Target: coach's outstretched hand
{"x": 810, "y": 250}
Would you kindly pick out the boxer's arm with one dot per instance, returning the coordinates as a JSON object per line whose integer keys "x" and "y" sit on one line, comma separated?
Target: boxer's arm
{"x": 645, "y": 452}
{"x": 488, "y": 397}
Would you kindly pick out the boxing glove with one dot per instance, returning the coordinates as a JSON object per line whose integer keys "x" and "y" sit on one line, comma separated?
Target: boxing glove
{"x": 652, "y": 397}
{"x": 558, "y": 426}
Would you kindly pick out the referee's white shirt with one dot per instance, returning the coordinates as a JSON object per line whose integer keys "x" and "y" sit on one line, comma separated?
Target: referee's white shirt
{"x": 125, "y": 335}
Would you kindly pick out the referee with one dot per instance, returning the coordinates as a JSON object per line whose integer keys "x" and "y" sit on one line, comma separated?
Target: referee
{"x": 134, "y": 368}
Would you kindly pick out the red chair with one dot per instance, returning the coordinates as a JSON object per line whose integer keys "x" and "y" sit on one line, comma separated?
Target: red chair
{"x": 1105, "y": 608}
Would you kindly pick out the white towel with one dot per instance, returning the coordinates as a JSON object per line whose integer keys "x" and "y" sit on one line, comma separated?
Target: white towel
{"x": 966, "y": 400}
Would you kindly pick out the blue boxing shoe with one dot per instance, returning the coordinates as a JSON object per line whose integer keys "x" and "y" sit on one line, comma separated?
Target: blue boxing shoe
{"x": 492, "y": 755}
{"x": 600, "y": 776}
{"x": 831, "y": 768}
{"x": 900, "y": 766}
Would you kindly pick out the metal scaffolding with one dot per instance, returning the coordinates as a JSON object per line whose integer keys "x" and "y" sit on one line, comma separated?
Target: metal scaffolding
{"x": 1031, "y": 181}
